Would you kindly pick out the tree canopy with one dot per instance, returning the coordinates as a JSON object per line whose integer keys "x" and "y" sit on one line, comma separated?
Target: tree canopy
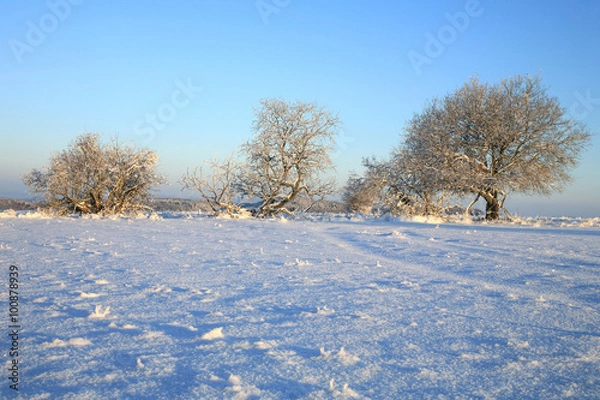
{"x": 488, "y": 140}
{"x": 92, "y": 178}
{"x": 283, "y": 161}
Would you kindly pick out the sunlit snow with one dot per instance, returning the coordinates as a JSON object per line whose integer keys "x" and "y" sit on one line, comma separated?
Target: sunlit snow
{"x": 186, "y": 306}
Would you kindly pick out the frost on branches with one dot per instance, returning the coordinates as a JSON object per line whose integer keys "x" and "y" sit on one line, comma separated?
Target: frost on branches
{"x": 92, "y": 178}
{"x": 482, "y": 141}
{"x": 283, "y": 162}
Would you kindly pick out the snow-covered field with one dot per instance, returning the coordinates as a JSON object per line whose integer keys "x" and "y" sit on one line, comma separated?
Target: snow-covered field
{"x": 185, "y": 306}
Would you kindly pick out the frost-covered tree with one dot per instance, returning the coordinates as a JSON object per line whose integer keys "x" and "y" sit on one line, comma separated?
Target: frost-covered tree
{"x": 482, "y": 140}
{"x": 362, "y": 193}
{"x": 288, "y": 154}
{"x": 397, "y": 185}
{"x": 489, "y": 140}
{"x": 414, "y": 189}
{"x": 282, "y": 162}
{"x": 218, "y": 185}
{"x": 92, "y": 178}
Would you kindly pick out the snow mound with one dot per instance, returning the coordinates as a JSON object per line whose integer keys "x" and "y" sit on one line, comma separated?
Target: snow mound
{"x": 241, "y": 391}
{"x": 77, "y": 342}
{"x": 85, "y": 295}
{"x": 100, "y": 312}
{"x": 345, "y": 393}
{"x": 216, "y": 333}
{"x": 346, "y": 358}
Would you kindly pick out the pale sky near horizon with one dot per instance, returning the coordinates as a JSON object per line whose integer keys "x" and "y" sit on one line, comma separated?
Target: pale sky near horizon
{"x": 182, "y": 77}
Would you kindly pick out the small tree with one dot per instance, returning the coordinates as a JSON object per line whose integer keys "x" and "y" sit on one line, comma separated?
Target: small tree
{"x": 397, "y": 185}
{"x": 491, "y": 139}
{"x": 361, "y": 193}
{"x": 288, "y": 153}
{"x": 413, "y": 188}
{"x": 91, "y": 178}
{"x": 132, "y": 177}
{"x": 220, "y": 187}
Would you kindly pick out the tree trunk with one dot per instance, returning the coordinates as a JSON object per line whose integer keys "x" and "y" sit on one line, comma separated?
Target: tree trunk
{"x": 468, "y": 210}
{"x": 492, "y": 206}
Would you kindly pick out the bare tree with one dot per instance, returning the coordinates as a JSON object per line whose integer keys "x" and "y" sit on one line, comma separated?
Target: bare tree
{"x": 371, "y": 192}
{"x": 489, "y": 140}
{"x": 91, "y": 178}
{"x": 398, "y": 185}
{"x": 288, "y": 153}
{"x": 132, "y": 177}
{"x": 361, "y": 193}
{"x": 219, "y": 187}
{"x": 413, "y": 188}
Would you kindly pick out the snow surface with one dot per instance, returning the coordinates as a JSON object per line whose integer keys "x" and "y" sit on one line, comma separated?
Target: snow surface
{"x": 184, "y": 306}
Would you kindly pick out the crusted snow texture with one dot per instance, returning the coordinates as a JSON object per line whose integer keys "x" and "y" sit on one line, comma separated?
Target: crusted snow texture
{"x": 185, "y": 306}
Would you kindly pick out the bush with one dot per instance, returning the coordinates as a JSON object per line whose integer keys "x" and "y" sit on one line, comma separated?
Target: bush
{"x": 92, "y": 178}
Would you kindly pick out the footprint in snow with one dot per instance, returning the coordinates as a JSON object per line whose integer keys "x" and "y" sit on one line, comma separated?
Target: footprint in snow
{"x": 127, "y": 360}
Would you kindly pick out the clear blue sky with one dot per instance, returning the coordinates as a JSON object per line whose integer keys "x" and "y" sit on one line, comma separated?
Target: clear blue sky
{"x": 70, "y": 66}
